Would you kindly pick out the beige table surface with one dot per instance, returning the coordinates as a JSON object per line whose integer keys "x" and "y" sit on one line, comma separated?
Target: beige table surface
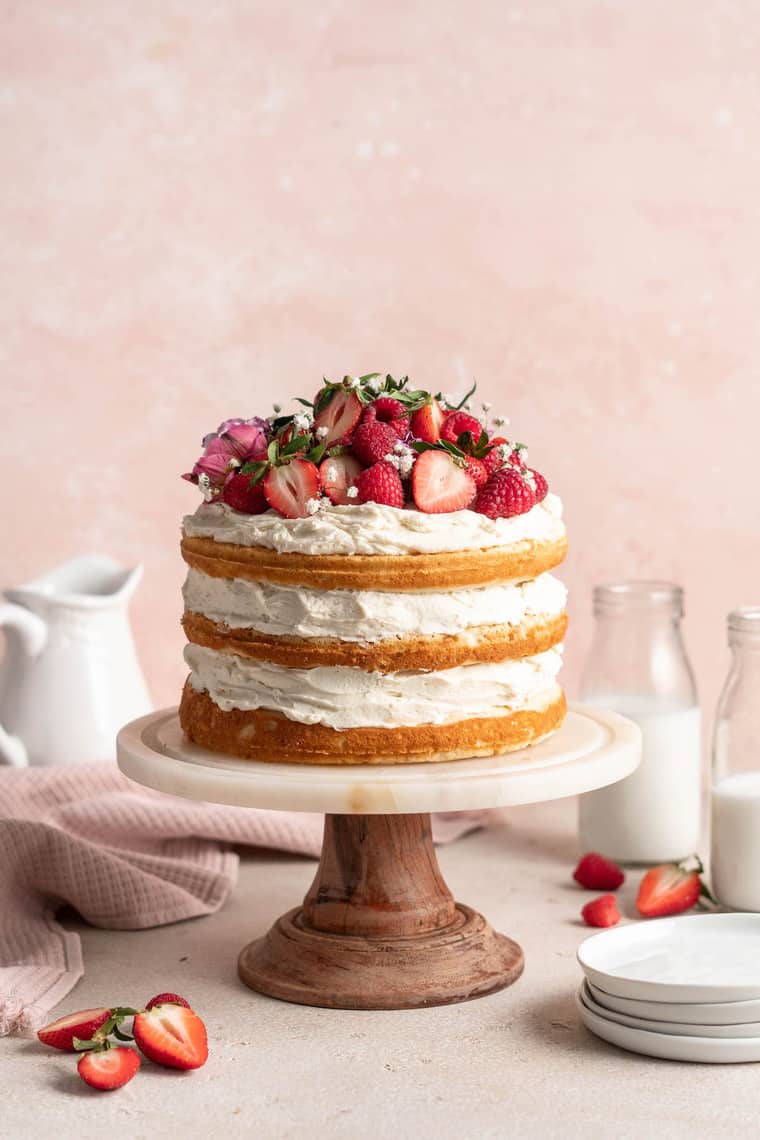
{"x": 517, "y": 1064}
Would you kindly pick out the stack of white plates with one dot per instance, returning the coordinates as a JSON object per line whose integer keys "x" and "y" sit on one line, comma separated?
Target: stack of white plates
{"x": 684, "y": 988}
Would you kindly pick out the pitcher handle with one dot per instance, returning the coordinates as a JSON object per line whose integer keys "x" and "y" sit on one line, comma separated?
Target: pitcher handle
{"x": 32, "y": 632}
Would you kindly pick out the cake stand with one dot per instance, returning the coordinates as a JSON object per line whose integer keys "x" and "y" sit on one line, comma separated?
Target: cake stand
{"x": 379, "y": 928}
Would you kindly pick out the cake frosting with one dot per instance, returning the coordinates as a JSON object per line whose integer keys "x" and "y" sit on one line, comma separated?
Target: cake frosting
{"x": 342, "y": 698}
{"x": 367, "y": 615}
{"x": 373, "y": 528}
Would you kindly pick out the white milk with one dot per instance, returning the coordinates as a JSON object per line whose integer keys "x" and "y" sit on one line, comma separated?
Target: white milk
{"x": 735, "y": 856}
{"x": 653, "y": 815}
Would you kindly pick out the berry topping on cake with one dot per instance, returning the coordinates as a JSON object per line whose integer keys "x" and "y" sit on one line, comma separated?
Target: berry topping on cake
{"x": 372, "y": 441}
{"x": 440, "y": 483}
{"x": 427, "y": 421}
{"x": 338, "y": 474}
{"x": 298, "y": 462}
{"x": 458, "y": 423}
{"x": 339, "y": 410}
{"x": 292, "y": 487}
{"x": 381, "y": 483}
{"x": 242, "y": 493}
{"x": 506, "y": 493}
{"x": 541, "y": 486}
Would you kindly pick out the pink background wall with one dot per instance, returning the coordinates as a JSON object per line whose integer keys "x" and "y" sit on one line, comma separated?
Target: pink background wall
{"x": 206, "y": 205}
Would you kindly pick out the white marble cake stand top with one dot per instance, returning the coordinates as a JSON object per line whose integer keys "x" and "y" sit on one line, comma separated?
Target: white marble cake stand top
{"x": 593, "y": 748}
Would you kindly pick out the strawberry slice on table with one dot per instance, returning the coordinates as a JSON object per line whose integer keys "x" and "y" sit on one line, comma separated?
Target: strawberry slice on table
{"x": 671, "y": 888}
{"x": 427, "y": 422}
{"x": 601, "y": 912}
{"x": 439, "y": 484}
{"x": 338, "y": 474}
{"x": 339, "y": 413}
{"x": 290, "y": 487}
{"x": 108, "y": 1069}
{"x": 597, "y": 873}
{"x": 84, "y": 1024}
{"x": 172, "y": 1035}
{"x": 167, "y": 999}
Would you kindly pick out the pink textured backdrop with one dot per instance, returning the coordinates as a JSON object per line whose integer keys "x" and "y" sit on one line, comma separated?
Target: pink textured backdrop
{"x": 207, "y": 205}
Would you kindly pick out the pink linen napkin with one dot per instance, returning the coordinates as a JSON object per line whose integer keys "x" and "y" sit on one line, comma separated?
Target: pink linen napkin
{"x": 125, "y": 858}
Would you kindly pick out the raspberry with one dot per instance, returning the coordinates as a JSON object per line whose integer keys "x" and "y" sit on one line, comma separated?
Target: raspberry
{"x": 494, "y": 459}
{"x": 478, "y": 470}
{"x": 505, "y": 494}
{"x": 380, "y": 483}
{"x": 457, "y": 422}
{"x": 386, "y": 410}
{"x": 542, "y": 487}
{"x": 372, "y": 441}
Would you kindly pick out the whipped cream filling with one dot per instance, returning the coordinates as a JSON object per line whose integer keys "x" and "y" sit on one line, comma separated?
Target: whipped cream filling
{"x": 367, "y": 616}
{"x": 343, "y": 697}
{"x": 371, "y": 528}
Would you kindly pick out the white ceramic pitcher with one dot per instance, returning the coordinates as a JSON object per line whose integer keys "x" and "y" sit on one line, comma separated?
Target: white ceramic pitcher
{"x": 69, "y": 677}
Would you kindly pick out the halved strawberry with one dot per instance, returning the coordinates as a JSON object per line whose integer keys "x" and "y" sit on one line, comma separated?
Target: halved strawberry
{"x": 290, "y": 487}
{"x": 440, "y": 485}
{"x": 338, "y": 473}
{"x": 456, "y": 423}
{"x": 339, "y": 415}
{"x": 172, "y": 1035}
{"x": 669, "y": 889}
{"x": 84, "y": 1024}
{"x": 427, "y": 421}
{"x": 167, "y": 999}
{"x": 108, "y": 1069}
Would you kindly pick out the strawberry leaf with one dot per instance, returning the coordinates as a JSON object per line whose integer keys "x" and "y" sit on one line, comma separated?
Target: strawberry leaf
{"x": 465, "y": 398}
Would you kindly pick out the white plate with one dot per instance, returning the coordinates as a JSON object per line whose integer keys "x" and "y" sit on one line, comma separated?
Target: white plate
{"x": 709, "y": 1050}
{"x": 699, "y": 1013}
{"x": 678, "y": 1028}
{"x": 691, "y": 958}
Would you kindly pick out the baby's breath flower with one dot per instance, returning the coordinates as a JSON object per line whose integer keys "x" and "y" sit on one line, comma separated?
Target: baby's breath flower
{"x": 204, "y": 485}
{"x": 375, "y": 383}
{"x": 302, "y": 422}
{"x": 486, "y": 406}
{"x": 313, "y": 505}
{"x": 322, "y": 431}
{"x": 352, "y": 493}
{"x": 332, "y": 474}
{"x": 500, "y": 421}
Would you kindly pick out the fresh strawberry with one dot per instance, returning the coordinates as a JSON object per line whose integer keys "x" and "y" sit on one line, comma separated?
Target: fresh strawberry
{"x": 542, "y": 487}
{"x": 494, "y": 458}
{"x": 338, "y": 473}
{"x": 669, "y": 889}
{"x": 167, "y": 999}
{"x": 427, "y": 421}
{"x": 172, "y": 1035}
{"x": 108, "y": 1068}
{"x": 340, "y": 414}
{"x": 372, "y": 441}
{"x": 478, "y": 470}
{"x": 601, "y": 912}
{"x": 505, "y": 494}
{"x": 439, "y": 484}
{"x": 456, "y": 423}
{"x": 597, "y": 873}
{"x": 381, "y": 483}
{"x": 60, "y": 1034}
{"x": 241, "y": 496}
{"x": 290, "y": 487}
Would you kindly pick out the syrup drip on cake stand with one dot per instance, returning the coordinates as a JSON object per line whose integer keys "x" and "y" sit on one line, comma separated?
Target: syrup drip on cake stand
{"x": 379, "y": 928}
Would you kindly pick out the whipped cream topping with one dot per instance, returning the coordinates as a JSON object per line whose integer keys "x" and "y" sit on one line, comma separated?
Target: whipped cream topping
{"x": 343, "y": 697}
{"x": 367, "y": 616}
{"x": 371, "y": 528}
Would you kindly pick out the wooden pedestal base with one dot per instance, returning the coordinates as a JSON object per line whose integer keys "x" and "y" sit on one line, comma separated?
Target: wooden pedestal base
{"x": 379, "y": 928}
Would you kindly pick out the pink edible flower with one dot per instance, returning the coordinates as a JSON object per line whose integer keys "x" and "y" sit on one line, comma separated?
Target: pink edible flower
{"x": 224, "y": 450}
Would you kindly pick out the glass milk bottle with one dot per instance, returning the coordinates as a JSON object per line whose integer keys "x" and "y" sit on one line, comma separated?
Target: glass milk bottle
{"x": 735, "y": 798}
{"x": 638, "y": 667}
